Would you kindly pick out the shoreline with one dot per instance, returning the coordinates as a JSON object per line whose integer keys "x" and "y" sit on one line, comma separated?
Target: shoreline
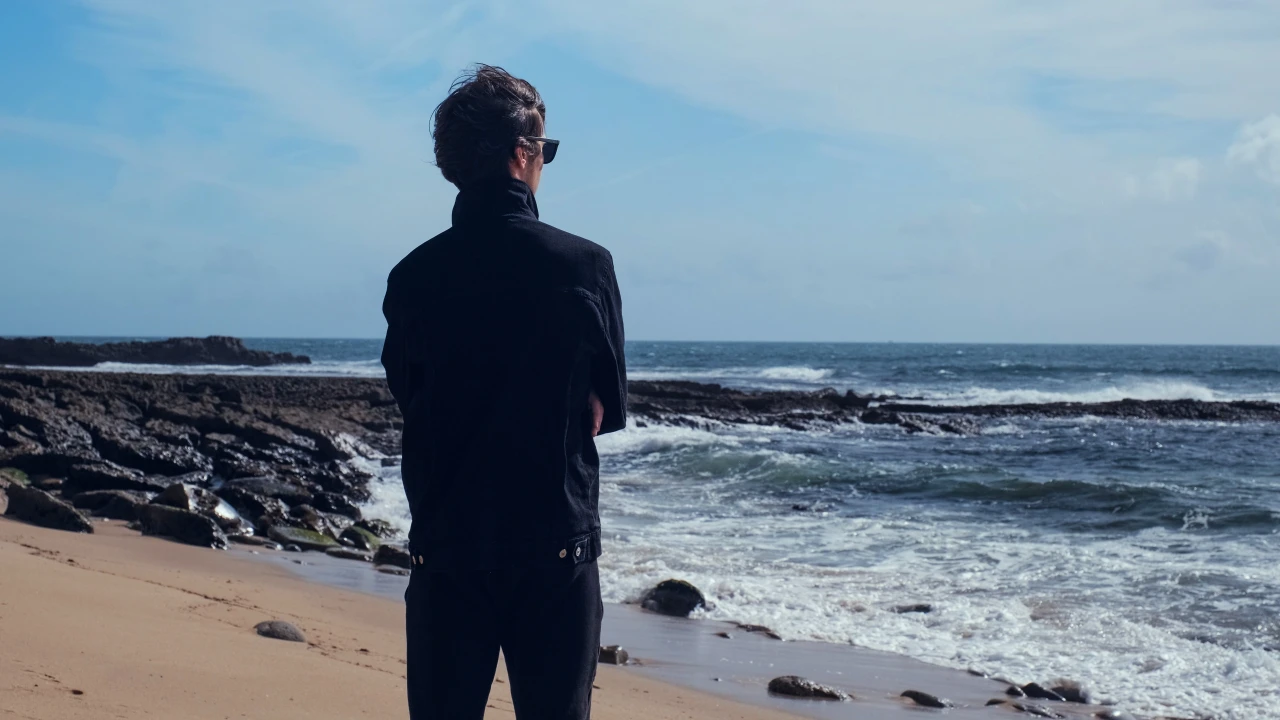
{"x": 691, "y": 653}
{"x": 118, "y": 625}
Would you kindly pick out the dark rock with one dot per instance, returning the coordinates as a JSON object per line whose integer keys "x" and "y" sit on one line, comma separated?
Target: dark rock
{"x": 335, "y": 503}
{"x": 1033, "y": 690}
{"x": 724, "y": 635}
{"x": 185, "y": 526}
{"x": 109, "y": 476}
{"x": 113, "y": 504}
{"x": 392, "y": 570}
{"x": 673, "y": 597}
{"x": 359, "y": 538}
{"x": 349, "y": 554}
{"x": 189, "y": 497}
{"x": 330, "y": 524}
{"x": 272, "y": 488}
{"x": 380, "y": 528}
{"x": 292, "y": 548}
{"x": 393, "y": 556}
{"x": 916, "y": 608}
{"x": 794, "y": 686}
{"x": 212, "y": 350}
{"x": 1072, "y": 692}
{"x": 614, "y": 655}
{"x": 280, "y": 630}
{"x": 1014, "y": 691}
{"x": 926, "y": 700}
{"x": 40, "y": 508}
{"x": 303, "y": 538}
{"x": 265, "y": 511}
{"x": 997, "y": 701}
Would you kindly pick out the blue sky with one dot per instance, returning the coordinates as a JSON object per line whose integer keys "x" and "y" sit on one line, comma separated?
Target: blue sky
{"x": 975, "y": 170}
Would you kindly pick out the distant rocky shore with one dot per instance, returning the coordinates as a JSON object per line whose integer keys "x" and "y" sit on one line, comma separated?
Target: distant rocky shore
{"x": 253, "y": 457}
{"x": 213, "y": 350}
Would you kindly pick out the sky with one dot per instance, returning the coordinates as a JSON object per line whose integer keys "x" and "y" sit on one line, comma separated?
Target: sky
{"x": 826, "y": 170}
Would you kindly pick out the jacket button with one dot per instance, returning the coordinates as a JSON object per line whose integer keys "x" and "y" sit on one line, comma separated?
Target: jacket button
{"x": 577, "y": 552}
{"x": 563, "y": 553}
{"x": 421, "y": 561}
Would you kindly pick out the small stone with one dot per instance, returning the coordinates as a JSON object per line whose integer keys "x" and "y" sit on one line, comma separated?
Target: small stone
{"x": 676, "y": 598}
{"x": 997, "y": 701}
{"x": 391, "y": 570}
{"x": 1014, "y": 691}
{"x": 795, "y": 686}
{"x": 256, "y": 540}
{"x": 614, "y": 655}
{"x": 394, "y": 556}
{"x": 280, "y": 630}
{"x": 1072, "y": 692}
{"x": 925, "y": 699}
{"x": 1035, "y": 691}
{"x": 724, "y": 635}
{"x": 914, "y": 608}
{"x": 292, "y": 548}
{"x": 759, "y": 630}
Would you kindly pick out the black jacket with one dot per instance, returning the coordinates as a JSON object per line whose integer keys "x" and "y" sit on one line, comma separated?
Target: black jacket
{"x": 497, "y": 330}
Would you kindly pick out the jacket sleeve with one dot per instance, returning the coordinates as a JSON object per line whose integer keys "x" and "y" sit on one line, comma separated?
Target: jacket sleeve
{"x": 395, "y": 355}
{"x": 608, "y": 363}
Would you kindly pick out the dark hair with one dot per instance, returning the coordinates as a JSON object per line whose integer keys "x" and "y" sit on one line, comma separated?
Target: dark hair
{"x": 478, "y": 127}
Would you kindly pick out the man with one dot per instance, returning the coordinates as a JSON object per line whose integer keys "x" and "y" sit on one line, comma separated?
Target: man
{"x": 504, "y": 352}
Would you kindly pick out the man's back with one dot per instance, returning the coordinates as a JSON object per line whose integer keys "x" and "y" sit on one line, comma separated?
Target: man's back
{"x": 499, "y": 329}
{"x": 504, "y": 351}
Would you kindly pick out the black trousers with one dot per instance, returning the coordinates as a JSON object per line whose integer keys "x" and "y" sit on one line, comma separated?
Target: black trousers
{"x": 545, "y": 620}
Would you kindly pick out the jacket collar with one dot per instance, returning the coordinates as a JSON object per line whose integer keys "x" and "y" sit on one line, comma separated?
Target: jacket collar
{"x": 504, "y": 197}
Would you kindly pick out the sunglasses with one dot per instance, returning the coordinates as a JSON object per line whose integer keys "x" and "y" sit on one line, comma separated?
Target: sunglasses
{"x": 549, "y": 147}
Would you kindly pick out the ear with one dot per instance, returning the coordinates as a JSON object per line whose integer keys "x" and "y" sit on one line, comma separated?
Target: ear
{"x": 520, "y": 156}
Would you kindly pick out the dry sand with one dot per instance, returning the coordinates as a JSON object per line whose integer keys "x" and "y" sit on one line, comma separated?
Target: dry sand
{"x": 114, "y": 625}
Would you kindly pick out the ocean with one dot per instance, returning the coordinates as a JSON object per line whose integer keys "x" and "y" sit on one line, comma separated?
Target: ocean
{"x": 1136, "y": 557}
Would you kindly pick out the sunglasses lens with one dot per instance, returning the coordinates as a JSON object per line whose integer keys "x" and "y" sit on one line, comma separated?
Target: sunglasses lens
{"x": 549, "y": 152}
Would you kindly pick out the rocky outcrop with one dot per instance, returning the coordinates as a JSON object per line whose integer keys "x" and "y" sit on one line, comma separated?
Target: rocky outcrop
{"x": 673, "y": 597}
{"x": 704, "y": 405}
{"x": 40, "y": 508}
{"x": 213, "y": 350}
{"x": 249, "y": 453}
{"x": 795, "y": 686}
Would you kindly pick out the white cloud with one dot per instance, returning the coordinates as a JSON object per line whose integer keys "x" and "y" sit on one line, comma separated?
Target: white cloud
{"x": 1173, "y": 179}
{"x": 1258, "y": 146}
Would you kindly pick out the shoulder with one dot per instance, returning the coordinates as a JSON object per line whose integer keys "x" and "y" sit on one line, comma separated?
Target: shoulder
{"x": 421, "y": 258}
{"x": 589, "y": 260}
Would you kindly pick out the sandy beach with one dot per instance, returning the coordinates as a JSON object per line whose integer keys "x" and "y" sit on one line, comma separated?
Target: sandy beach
{"x": 114, "y": 625}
